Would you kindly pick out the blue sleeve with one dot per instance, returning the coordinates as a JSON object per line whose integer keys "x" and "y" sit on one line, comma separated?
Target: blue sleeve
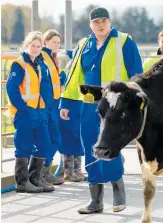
{"x": 15, "y": 78}
{"x": 46, "y": 89}
{"x": 74, "y": 53}
{"x": 69, "y": 53}
{"x": 65, "y": 103}
{"x": 73, "y": 106}
{"x": 132, "y": 59}
{"x": 62, "y": 77}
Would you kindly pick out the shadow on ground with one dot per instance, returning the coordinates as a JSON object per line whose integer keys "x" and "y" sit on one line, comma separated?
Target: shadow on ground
{"x": 61, "y": 205}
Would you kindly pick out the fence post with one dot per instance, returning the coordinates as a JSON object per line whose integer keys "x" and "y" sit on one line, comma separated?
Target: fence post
{"x": 1, "y": 154}
{"x": 34, "y": 16}
{"x": 68, "y": 25}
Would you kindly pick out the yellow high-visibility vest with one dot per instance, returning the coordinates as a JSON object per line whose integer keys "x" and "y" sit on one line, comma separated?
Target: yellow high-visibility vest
{"x": 112, "y": 67}
{"x": 148, "y": 63}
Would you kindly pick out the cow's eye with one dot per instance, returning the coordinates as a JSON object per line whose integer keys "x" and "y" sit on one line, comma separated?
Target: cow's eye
{"x": 123, "y": 115}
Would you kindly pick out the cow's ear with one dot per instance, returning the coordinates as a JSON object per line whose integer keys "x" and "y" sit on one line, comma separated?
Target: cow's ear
{"x": 96, "y": 91}
{"x": 142, "y": 100}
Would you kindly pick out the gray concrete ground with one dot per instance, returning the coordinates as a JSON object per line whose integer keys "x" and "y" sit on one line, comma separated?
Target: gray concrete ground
{"x": 61, "y": 205}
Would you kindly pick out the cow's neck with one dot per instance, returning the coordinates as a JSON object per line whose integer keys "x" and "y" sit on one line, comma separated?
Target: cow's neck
{"x": 152, "y": 86}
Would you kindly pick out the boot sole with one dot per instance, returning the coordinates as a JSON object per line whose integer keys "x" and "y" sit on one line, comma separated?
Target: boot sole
{"x": 58, "y": 183}
{"x": 91, "y": 212}
{"x": 53, "y": 183}
{"x": 68, "y": 180}
{"x": 24, "y": 191}
{"x": 118, "y": 208}
{"x": 44, "y": 190}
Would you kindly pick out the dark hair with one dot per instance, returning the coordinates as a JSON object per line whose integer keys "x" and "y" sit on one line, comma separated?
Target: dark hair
{"x": 49, "y": 34}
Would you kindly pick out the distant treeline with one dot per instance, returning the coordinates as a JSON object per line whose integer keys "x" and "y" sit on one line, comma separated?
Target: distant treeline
{"x": 16, "y": 22}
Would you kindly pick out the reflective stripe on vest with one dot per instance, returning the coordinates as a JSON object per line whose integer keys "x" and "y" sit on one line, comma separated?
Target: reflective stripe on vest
{"x": 28, "y": 95}
{"x": 74, "y": 80}
{"x": 119, "y": 57}
{"x": 112, "y": 67}
{"x": 54, "y": 75}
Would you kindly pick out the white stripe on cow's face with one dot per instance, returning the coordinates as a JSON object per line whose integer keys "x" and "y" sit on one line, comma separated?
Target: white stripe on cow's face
{"x": 112, "y": 97}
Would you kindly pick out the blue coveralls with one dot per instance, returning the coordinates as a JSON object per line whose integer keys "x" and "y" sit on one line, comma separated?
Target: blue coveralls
{"x": 101, "y": 171}
{"x": 53, "y": 117}
{"x": 31, "y": 135}
{"x": 70, "y": 132}
{"x": 70, "y": 129}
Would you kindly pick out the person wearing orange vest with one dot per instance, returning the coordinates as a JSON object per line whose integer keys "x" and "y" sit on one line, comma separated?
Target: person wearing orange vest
{"x": 26, "y": 84}
{"x": 49, "y": 52}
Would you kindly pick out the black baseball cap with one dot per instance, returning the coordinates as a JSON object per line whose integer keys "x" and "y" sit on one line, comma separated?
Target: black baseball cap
{"x": 99, "y": 13}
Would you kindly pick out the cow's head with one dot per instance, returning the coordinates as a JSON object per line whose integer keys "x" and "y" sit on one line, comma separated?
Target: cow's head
{"x": 121, "y": 110}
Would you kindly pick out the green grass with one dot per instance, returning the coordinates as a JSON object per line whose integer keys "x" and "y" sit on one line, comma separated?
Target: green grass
{"x": 5, "y": 47}
{"x": 10, "y": 47}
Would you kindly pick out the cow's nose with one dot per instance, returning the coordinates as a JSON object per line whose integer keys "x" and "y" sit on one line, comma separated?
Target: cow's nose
{"x": 101, "y": 152}
{"x": 101, "y": 147}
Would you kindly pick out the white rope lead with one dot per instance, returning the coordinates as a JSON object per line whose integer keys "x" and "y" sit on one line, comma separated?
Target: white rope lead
{"x": 89, "y": 164}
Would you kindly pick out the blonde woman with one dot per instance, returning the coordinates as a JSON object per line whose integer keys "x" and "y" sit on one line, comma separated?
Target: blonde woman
{"x": 26, "y": 86}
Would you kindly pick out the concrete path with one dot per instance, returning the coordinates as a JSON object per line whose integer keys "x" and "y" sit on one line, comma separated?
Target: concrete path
{"x": 61, "y": 205}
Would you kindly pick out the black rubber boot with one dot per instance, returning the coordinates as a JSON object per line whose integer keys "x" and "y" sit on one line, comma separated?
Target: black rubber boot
{"x": 36, "y": 175}
{"x": 50, "y": 178}
{"x": 119, "y": 195}
{"x": 96, "y": 203}
{"x": 23, "y": 185}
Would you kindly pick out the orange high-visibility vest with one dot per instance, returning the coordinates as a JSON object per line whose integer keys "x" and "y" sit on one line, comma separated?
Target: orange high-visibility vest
{"x": 29, "y": 88}
{"x": 54, "y": 75}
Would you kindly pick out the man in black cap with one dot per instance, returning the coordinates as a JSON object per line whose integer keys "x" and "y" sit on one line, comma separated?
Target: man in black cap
{"x": 103, "y": 56}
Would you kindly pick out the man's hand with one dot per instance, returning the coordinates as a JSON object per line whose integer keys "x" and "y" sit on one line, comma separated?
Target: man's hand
{"x": 64, "y": 114}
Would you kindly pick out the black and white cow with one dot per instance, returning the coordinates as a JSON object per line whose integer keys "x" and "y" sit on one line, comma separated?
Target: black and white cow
{"x": 133, "y": 110}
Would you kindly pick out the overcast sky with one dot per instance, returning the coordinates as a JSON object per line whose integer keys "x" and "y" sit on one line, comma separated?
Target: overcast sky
{"x": 57, "y": 7}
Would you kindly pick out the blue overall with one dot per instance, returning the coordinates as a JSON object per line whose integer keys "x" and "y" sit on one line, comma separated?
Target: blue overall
{"x": 70, "y": 131}
{"x": 53, "y": 117}
{"x": 31, "y": 129}
{"x": 101, "y": 171}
